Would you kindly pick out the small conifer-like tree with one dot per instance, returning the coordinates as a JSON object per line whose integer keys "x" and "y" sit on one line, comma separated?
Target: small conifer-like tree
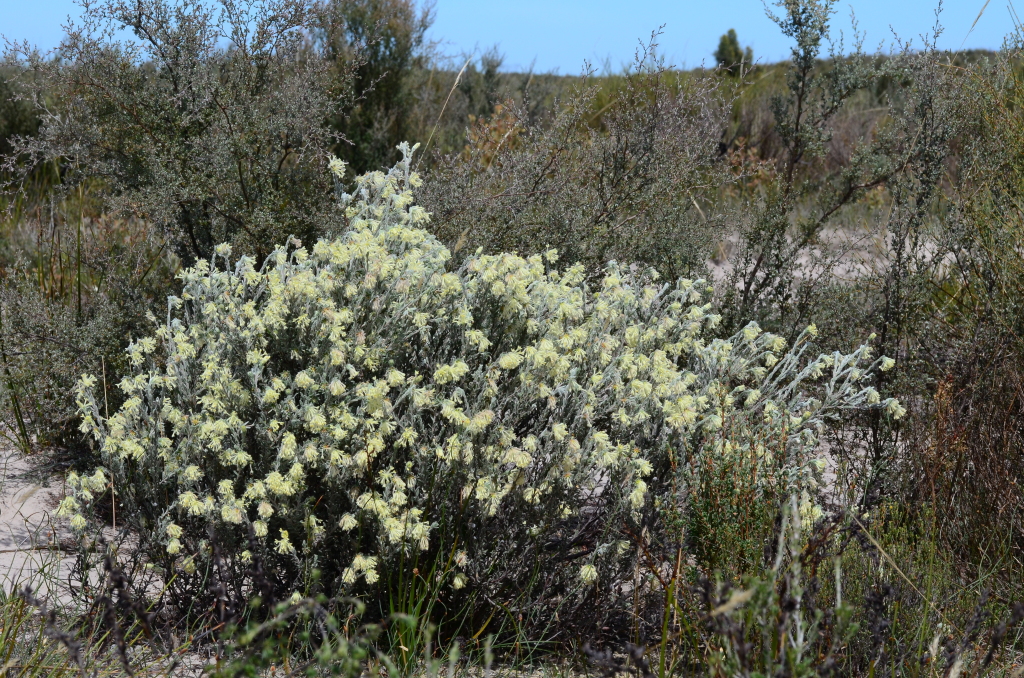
{"x": 730, "y": 56}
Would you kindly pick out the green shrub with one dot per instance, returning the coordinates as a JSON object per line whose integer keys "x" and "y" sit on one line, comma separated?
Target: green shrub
{"x": 70, "y": 299}
{"x": 968, "y": 463}
{"x": 621, "y": 179}
{"x": 209, "y": 144}
{"x": 16, "y": 116}
{"x": 809, "y": 613}
{"x": 362, "y": 420}
{"x": 380, "y": 45}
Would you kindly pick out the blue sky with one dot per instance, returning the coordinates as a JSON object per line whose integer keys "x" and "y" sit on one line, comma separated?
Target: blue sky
{"x": 561, "y": 34}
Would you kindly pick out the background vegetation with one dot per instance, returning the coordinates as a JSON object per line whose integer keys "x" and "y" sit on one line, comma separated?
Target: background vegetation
{"x": 875, "y": 197}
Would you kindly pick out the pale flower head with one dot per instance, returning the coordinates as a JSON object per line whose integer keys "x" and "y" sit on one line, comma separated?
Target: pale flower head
{"x": 68, "y": 506}
{"x": 894, "y": 409}
{"x": 284, "y": 544}
{"x": 510, "y": 360}
{"x": 337, "y": 167}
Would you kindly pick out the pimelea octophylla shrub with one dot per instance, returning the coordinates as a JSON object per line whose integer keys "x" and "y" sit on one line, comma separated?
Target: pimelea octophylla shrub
{"x": 359, "y": 419}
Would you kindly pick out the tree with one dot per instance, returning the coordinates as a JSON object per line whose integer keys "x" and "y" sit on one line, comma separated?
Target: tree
{"x": 729, "y": 55}
{"x": 374, "y": 46}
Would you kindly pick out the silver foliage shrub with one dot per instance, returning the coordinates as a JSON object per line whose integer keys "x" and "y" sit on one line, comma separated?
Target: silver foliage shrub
{"x": 356, "y": 417}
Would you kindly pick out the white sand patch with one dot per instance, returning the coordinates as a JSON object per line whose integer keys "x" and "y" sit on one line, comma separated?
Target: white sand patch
{"x": 30, "y": 533}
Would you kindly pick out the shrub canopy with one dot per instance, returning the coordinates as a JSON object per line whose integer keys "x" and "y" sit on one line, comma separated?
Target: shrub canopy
{"x": 357, "y": 415}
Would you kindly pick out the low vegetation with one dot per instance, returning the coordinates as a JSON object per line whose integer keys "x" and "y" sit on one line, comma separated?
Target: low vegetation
{"x": 662, "y": 372}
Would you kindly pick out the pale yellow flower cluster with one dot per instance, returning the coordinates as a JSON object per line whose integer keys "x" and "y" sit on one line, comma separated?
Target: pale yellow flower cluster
{"x": 323, "y": 397}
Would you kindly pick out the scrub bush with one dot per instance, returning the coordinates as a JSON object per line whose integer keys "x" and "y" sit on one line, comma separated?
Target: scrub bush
{"x": 209, "y": 143}
{"x": 624, "y": 179}
{"x": 357, "y": 418}
{"x": 70, "y": 298}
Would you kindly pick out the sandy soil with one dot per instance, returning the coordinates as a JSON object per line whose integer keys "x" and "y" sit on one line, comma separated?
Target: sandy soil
{"x": 30, "y": 533}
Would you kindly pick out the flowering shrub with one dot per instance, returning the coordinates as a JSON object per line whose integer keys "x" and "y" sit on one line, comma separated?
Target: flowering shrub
{"x": 357, "y": 417}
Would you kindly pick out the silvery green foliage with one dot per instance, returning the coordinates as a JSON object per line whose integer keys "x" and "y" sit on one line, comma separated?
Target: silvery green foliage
{"x": 361, "y": 409}
{"x": 208, "y": 142}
